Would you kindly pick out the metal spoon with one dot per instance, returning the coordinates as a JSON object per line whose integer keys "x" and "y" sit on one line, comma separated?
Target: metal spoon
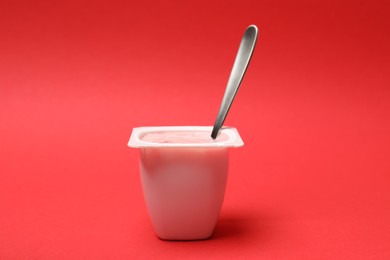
{"x": 241, "y": 63}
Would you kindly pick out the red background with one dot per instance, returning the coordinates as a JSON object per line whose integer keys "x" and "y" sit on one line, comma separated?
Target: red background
{"x": 312, "y": 181}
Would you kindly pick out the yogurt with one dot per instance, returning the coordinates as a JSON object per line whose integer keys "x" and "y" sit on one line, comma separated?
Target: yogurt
{"x": 176, "y": 137}
{"x": 183, "y": 174}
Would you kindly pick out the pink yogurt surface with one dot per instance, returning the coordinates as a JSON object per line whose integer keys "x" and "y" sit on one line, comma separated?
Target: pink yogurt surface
{"x": 183, "y": 137}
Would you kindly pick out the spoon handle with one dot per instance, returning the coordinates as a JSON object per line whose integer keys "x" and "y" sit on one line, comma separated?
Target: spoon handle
{"x": 243, "y": 57}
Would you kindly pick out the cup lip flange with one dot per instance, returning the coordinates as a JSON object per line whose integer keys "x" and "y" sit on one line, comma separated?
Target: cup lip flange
{"x": 135, "y": 141}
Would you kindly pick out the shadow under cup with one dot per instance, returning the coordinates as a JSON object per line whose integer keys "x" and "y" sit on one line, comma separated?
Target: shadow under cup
{"x": 184, "y": 182}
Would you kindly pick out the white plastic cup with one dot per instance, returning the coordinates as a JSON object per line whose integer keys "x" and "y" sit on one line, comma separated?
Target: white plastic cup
{"x": 184, "y": 183}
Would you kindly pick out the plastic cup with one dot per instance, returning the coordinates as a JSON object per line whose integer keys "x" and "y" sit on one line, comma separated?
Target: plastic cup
{"x": 183, "y": 181}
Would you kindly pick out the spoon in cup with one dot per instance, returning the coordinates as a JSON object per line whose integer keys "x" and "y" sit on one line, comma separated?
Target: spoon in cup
{"x": 240, "y": 65}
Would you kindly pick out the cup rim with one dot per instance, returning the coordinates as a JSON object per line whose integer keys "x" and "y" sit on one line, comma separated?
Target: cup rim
{"x": 234, "y": 138}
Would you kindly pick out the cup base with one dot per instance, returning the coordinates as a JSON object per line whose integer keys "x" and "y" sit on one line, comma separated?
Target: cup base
{"x": 185, "y": 238}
